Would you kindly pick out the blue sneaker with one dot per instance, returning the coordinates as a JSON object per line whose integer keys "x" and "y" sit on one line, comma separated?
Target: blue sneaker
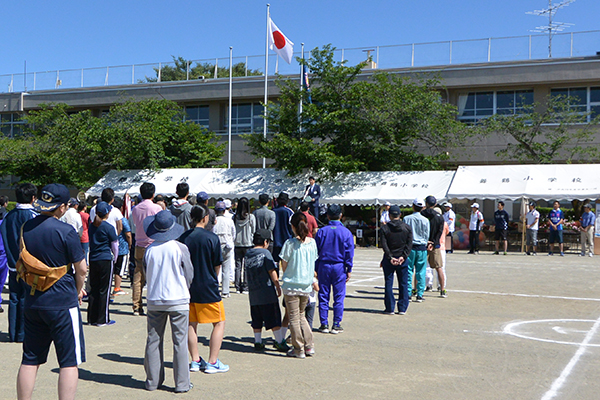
{"x": 216, "y": 367}
{"x": 196, "y": 366}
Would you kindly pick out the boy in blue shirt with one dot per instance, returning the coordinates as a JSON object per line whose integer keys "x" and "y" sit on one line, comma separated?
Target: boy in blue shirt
{"x": 263, "y": 291}
{"x": 556, "y": 218}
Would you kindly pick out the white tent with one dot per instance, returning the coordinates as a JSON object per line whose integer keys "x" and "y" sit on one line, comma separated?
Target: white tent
{"x": 397, "y": 187}
{"x": 539, "y": 182}
{"x": 166, "y": 180}
{"x": 362, "y": 188}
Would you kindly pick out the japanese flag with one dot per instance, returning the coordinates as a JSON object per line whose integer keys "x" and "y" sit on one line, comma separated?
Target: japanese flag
{"x": 281, "y": 44}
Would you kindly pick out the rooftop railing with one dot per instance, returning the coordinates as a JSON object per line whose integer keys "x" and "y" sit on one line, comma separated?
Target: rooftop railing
{"x": 512, "y": 48}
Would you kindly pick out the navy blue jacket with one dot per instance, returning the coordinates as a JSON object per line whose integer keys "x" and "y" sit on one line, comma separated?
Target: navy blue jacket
{"x": 11, "y": 231}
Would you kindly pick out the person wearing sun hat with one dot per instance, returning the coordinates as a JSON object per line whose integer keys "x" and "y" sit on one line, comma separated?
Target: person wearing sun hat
{"x": 169, "y": 273}
{"x": 53, "y": 316}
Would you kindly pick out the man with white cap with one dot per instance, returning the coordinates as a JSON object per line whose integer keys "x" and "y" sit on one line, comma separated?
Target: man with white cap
{"x": 450, "y": 218}
{"x": 385, "y": 214}
{"x": 417, "y": 260}
{"x": 228, "y": 212}
{"x": 475, "y": 225}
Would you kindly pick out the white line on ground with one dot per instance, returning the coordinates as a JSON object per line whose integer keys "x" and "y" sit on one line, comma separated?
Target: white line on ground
{"x": 557, "y": 384}
{"x": 354, "y": 283}
{"x": 524, "y": 295}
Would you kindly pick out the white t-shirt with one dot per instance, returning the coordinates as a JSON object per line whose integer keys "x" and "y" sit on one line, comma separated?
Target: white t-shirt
{"x": 450, "y": 218}
{"x": 114, "y": 216}
{"x": 476, "y": 216}
{"x": 531, "y": 218}
{"x": 385, "y": 217}
{"x": 73, "y": 218}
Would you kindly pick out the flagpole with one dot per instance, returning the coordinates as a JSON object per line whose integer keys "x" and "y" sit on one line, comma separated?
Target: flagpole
{"x": 266, "y": 77}
{"x": 230, "y": 97}
{"x": 301, "y": 79}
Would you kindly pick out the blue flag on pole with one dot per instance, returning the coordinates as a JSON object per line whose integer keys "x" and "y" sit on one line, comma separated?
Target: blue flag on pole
{"x": 305, "y": 83}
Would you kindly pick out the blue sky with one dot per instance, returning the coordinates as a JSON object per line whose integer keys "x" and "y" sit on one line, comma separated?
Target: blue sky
{"x": 70, "y": 34}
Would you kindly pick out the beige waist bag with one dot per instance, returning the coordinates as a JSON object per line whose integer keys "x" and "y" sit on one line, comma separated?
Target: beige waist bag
{"x": 35, "y": 273}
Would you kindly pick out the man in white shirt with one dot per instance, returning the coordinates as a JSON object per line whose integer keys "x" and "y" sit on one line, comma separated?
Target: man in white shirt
{"x": 532, "y": 220}
{"x": 72, "y": 217}
{"x": 225, "y": 229}
{"x": 475, "y": 226}
{"x": 385, "y": 214}
{"x": 450, "y": 218}
{"x": 115, "y": 216}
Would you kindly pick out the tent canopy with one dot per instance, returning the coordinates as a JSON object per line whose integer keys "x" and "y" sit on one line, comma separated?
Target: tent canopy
{"x": 539, "y": 182}
{"x": 361, "y": 188}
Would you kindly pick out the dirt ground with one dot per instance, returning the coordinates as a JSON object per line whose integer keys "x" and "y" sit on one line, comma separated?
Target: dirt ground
{"x": 512, "y": 327}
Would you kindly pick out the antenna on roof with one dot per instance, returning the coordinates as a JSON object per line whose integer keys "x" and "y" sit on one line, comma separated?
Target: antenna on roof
{"x": 552, "y": 26}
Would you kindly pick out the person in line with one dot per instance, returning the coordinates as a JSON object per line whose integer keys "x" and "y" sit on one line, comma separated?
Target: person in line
{"x": 225, "y": 230}
{"x": 450, "y": 218}
{"x": 396, "y": 241}
{"x": 588, "y": 221}
{"x": 312, "y": 194}
{"x": 313, "y": 227}
{"x": 85, "y": 222}
{"x": 206, "y": 305}
{"x": 181, "y": 207}
{"x": 417, "y": 260}
{"x": 263, "y": 291}
{"x": 245, "y": 226}
{"x": 283, "y": 228}
{"x": 125, "y": 241}
{"x": 169, "y": 273}
{"x": 298, "y": 257}
{"x": 116, "y": 217}
{"x": 104, "y": 251}
{"x": 139, "y": 213}
{"x": 202, "y": 198}
{"x": 72, "y": 217}
{"x": 436, "y": 233}
{"x": 334, "y": 268}
{"x": 3, "y": 205}
{"x": 556, "y": 218}
{"x": 501, "y": 219}
{"x": 475, "y": 226}
{"x": 53, "y": 315}
{"x": 11, "y": 232}
{"x": 265, "y": 218}
{"x": 532, "y": 219}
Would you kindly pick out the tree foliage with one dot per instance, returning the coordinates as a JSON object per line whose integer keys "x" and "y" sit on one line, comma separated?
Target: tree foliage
{"x": 545, "y": 133}
{"x": 357, "y": 122}
{"x": 78, "y": 149}
{"x": 179, "y": 72}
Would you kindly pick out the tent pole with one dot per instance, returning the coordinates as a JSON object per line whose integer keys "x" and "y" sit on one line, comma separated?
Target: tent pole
{"x": 377, "y": 226}
{"x": 523, "y": 223}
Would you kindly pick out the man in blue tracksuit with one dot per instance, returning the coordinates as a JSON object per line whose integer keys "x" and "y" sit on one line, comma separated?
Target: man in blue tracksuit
{"x": 417, "y": 260}
{"x": 11, "y": 232}
{"x": 334, "y": 267}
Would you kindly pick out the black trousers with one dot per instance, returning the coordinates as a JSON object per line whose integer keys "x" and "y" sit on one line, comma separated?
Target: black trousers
{"x": 473, "y": 241}
{"x": 101, "y": 273}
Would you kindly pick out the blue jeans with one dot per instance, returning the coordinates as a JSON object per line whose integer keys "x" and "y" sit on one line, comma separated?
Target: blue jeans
{"x": 417, "y": 264}
{"x": 16, "y": 308}
{"x": 401, "y": 272}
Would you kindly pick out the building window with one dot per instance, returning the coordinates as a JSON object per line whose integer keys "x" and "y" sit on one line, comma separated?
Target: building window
{"x": 581, "y": 99}
{"x": 245, "y": 118}
{"x": 197, "y": 115}
{"x": 11, "y": 125}
{"x": 475, "y": 106}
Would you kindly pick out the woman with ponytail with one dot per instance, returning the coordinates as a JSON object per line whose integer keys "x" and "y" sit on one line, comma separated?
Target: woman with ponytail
{"x": 298, "y": 257}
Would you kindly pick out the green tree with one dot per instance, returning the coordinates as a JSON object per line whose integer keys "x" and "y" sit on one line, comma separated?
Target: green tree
{"x": 545, "y": 133}
{"x": 356, "y": 122}
{"x": 78, "y": 149}
{"x": 179, "y": 72}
